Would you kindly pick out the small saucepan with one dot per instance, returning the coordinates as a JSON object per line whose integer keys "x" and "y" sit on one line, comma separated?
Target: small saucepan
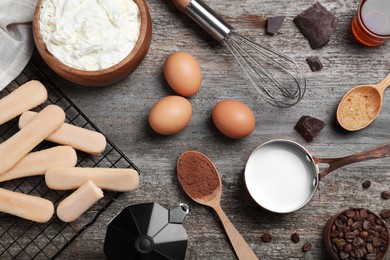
{"x": 282, "y": 176}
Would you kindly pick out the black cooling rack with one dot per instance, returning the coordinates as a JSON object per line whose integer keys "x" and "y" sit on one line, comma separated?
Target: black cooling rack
{"x": 23, "y": 239}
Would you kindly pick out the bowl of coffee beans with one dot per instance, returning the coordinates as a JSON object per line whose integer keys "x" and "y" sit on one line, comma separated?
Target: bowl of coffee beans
{"x": 356, "y": 234}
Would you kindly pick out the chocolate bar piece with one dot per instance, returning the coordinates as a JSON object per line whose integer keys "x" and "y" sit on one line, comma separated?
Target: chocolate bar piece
{"x": 309, "y": 127}
{"x": 317, "y": 24}
{"x": 274, "y": 24}
{"x": 314, "y": 63}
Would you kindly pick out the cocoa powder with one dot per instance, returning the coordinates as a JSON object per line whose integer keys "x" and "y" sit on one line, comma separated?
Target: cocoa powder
{"x": 197, "y": 175}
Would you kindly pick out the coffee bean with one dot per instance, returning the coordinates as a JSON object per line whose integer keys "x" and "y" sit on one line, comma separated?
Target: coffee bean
{"x": 345, "y": 229}
{"x": 350, "y": 213}
{"x": 341, "y": 243}
{"x": 366, "y": 184}
{"x": 338, "y": 223}
{"x": 306, "y": 247}
{"x": 373, "y": 223}
{"x": 347, "y": 248}
{"x": 385, "y": 214}
{"x": 295, "y": 237}
{"x": 356, "y": 225}
{"x": 344, "y": 255}
{"x": 358, "y": 242}
{"x": 333, "y": 234}
{"x": 357, "y": 218}
{"x": 363, "y": 213}
{"x": 379, "y": 222}
{"x": 386, "y": 195}
{"x": 343, "y": 218}
{"x": 266, "y": 238}
{"x": 350, "y": 236}
{"x": 370, "y": 238}
{"x": 371, "y": 217}
{"x": 366, "y": 225}
{"x": 371, "y": 256}
{"x": 370, "y": 248}
{"x": 379, "y": 228}
{"x": 385, "y": 236}
{"x": 376, "y": 242}
{"x": 359, "y": 253}
{"x": 373, "y": 233}
{"x": 349, "y": 222}
{"x": 363, "y": 234}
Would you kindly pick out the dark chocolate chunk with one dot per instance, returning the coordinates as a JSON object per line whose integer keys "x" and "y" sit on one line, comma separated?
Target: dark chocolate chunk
{"x": 309, "y": 127}
{"x": 314, "y": 63}
{"x": 274, "y": 24}
{"x": 317, "y": 24}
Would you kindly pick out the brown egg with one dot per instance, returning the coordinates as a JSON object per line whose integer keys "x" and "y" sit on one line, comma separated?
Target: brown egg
{"x": 183, "y": 73}
{"x": 233, "y": 118}
{"x": 170, "y": 115}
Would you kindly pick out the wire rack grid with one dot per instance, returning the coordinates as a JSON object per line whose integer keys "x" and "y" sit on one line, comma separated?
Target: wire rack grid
{"x": 23, "y": 239}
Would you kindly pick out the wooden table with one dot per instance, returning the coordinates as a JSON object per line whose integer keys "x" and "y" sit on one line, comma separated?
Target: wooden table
{"x": 121, "y": 112}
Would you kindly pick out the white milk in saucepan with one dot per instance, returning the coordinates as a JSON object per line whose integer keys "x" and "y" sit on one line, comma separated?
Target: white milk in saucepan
{"x": 280, "y": 177}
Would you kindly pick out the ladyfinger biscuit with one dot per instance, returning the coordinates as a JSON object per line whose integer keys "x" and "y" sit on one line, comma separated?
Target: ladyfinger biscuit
{"x": 26, "y": 206}
{"x": 21, "y": 143}
{"x": 26, "y": 97}
{"x": 73, "y": 206}
{"x": 79, "y": 138}
{"x": 69, "y": 178}
{"x": 37, "y": 163}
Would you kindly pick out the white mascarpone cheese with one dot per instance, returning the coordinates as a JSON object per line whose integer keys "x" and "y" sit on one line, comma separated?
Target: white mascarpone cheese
{"x": 90, "y": 34}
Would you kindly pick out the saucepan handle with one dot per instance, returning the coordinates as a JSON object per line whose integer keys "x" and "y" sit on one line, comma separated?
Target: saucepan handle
{"x": 335, "y": 163}
{"x": 181, "y": 4}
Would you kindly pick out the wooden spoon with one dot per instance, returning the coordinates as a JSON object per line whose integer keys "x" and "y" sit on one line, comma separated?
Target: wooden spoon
{"x": 361, "y": 105}
{"x": 201, "y": 181}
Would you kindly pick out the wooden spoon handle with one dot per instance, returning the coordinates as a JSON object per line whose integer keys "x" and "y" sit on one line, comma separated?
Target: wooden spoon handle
{"x": 181, "y": 4}
{"x": 240, "y": 246}
{"x": 383, "y": 84}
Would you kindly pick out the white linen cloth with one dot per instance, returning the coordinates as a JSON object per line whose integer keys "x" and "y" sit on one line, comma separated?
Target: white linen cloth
{"x": 16, "y": 40}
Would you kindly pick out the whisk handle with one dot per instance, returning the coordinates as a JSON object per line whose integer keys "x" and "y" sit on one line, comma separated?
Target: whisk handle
{"x": 203, "y": 15}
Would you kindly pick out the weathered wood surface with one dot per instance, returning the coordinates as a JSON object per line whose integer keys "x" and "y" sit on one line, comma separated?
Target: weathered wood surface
{"x": 121, "y": 112}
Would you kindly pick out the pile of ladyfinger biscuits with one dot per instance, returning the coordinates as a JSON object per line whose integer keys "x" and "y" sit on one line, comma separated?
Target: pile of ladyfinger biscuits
{"x": 56, "y": 163}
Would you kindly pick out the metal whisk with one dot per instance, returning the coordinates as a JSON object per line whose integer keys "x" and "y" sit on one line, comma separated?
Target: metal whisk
{"x": 275, "y": 76}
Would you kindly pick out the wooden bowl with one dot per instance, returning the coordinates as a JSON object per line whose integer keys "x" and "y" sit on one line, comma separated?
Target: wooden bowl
{"x": 332, "y": 222}
{"x": 106, "y": 76}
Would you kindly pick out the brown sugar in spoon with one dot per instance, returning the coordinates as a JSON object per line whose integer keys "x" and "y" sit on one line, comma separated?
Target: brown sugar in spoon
{"x": 361, "y": 105}
{"x": 201, "y": 181}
